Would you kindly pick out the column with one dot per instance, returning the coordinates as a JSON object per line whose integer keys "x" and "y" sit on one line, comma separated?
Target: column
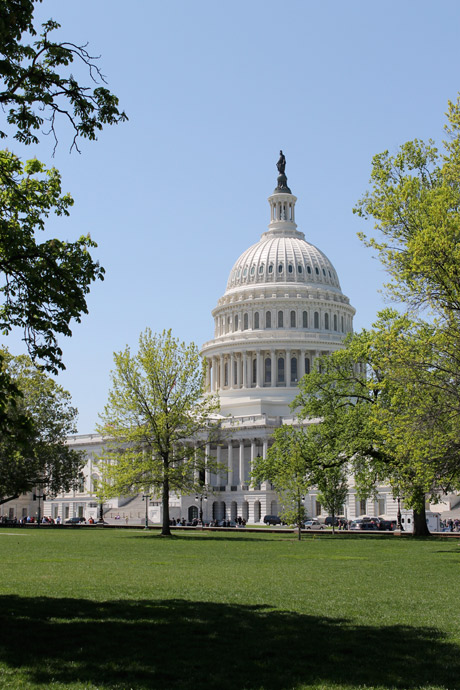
{"x": 264, "y": 485}
{"x": 251, "y": 464}
{"x": 259, "y": 381}
{"x": 219, "y": 473}
{"x": 222, "y": 372}
{"x": 229, "y": 464}
{"x": 302, "y": 355}
{"x": 287, "y": 367}
{"x": 241, "y": 463}
{"x": 274, "y": 368}
{"x": 207, "y": 474}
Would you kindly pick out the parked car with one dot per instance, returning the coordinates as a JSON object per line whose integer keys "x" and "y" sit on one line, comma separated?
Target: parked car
{"x": 75, "y": 520}
{"x": 362, "y": 524}
{"x": 313, "y": 524}
{"x": 272, "y": 520}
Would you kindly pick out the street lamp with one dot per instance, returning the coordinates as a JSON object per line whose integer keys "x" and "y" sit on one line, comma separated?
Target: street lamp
{"x": 38, "y": 497}
{"x": 145, "y": 497}
{"x": 202, "y": 497}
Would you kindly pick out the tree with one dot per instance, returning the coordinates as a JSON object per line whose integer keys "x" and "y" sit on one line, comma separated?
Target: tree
{"x": 37, "y": 84}
{"x": 332, "y": 483}
{"x": 158, "y": 421}
{"x": 43, "y": 285}
{"x": 415, "y": 202}
{"x": 33, "y": 448}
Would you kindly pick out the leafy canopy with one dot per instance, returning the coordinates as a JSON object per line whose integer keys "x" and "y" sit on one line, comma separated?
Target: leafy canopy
{"x": 158, "y": 420}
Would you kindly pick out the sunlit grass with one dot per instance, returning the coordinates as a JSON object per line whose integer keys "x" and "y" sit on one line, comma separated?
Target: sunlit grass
{"x": 129, "y": 609}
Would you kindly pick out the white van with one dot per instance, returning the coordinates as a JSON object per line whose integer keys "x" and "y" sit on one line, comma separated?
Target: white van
{"x": 432, "y": 520}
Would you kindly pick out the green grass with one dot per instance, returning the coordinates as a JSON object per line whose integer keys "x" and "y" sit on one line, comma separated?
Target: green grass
{"x": 122, "y": 609}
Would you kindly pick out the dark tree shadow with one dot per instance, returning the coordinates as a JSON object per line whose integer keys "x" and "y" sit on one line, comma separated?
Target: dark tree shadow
{"x": 178, "y": 644}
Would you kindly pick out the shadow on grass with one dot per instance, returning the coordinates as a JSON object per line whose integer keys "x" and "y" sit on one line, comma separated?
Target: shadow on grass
{"x": 182, "y": 644}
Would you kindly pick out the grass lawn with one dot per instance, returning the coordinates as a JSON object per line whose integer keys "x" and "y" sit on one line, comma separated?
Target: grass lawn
{"x": 82, "y": 608}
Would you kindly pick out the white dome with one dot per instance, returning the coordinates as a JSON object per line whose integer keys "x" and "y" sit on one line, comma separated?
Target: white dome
{"x": 283, "y": 258}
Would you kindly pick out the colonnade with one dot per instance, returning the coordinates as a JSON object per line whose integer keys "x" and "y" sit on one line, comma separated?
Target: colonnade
{"x": 259, "y": 368}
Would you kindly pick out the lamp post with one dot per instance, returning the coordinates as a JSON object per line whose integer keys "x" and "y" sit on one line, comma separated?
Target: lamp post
{"x": 145, "y": 497}
{"x": 399, "y": 515}
{"x": 38, "y": 497}
{"x": 202, "y": 497}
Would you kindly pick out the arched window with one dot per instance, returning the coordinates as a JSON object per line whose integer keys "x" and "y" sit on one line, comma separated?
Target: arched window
{"x": 335, "y": 322}
{"x": 341, "y": 323}
{"x": 226, "y": 374}
{"x": 235, "y": 373}
{"x": 270, "y": 268}
{"x": 307, "y": 365}
{"x": 280, "y": 319}
{"x": 254, "y": 371}
{"x": 317, "y": 270}
{"x": 268, "y": 319}
{"x": 280, "y": 369}
{"x": 236, "y": 322}
{"x": 308, "y": 269}
{"x": 290, "y": 268}
{"x": 316, "y": 319}
{"x": 245, "y": 322}
{"x": 326, "y": 321}
{"x": 299, "y": 269}
{"x": 280, "y": 268}
{"x": 305, "y": 319}
{"x": 294, "y": 370}
{"x": 193, "y": 513}
{"x": 268, "y": 370}
{"x": 256, "y": 320}
{"x": 293, "y": 319}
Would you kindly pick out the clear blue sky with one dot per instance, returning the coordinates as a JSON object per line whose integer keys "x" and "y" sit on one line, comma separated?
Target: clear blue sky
{"x": 213, "y": 91}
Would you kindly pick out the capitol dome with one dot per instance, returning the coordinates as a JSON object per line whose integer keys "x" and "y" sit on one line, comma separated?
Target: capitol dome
{"x": 282, "y": 308}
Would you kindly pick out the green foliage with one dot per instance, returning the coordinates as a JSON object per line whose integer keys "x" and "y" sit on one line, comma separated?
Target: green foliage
{"x": 157, "y": 421}
{"x": 332, "y": 483}
{"x": 43, "y": 284}
{"x": 37, "y": 84}
{"x": 37, "y": 420}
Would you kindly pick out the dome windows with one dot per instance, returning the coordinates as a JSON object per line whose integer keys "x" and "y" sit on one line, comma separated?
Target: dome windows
{"x": 253, "y": 270}
{"x": 268, "y": 319}
{"x": 293, "y": 319}
{"x": 280, "y": 319}
{"x": 309, "y": 270}
{"x": 270, "y": 268}
{"x": 316, "y": 320}
{"x": 280, "y": 268}
{"x": 261, "y": 269}
{"x": 317, "y": 270}
{"x": 290, "y": 268}
{"x": 245, "y": 272}
{"x": 299, "y": 269}
{"x": 304, "y": 319}
{"x": 256, "y": 320}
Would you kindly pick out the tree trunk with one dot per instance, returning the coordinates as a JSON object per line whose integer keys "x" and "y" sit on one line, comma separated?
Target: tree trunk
{"x": 165, "y": 530}
{"x": 333, "y": 522}
{"x": 420, "y": 526}
{"x": 299, "y": 529}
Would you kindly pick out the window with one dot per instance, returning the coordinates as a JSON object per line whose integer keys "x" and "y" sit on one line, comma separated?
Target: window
{"x": 261, "y": 268}
{"x": 253, "y": 270}
{"x": 335, "y": 322}
{"x": 308, "y": 269}
{"x": 299, "y": 269}
{"x": 245, "y": 272}
{"x": 316, "y": 319}
{"x": 280, "y": 319}
{"x": 268, "y": 370}
{"x": 317, "y": 270}
{"x": 293, "y": 319}
{"x": 268, "y": 319}
{"x": 245, "y": 322}
{"x": 326, "y": 321}
{"x": 324, "y": 272}
{"x": 361, "y": 507}
{"x": 294, "y": 370}
{"x": 317, "y": 508}
{"x": 307, "y": 365}
{"x": 235, "y": 373}
{"x": 254, "y": 372}
{"x": 270, "y": 268}
{"x": 226, "y": 374}
{"x": 256, "y": 320}
{"x": 341, "y": 322}
{"x": 280, "y": 369}
{"x": 381, "y": 506}
{"x": 280, "y": 268}
{"x": 305, "y": 319}
{"x": 290, "y": 268}
{"x": 236, "y": 322}
{"x": 81, "y": 484}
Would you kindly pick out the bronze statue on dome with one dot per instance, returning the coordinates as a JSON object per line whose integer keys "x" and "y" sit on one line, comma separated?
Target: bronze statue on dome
{"x": 281, "y": 165}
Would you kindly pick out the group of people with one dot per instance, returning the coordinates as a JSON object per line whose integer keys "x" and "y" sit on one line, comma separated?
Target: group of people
{"x": 450, "y": 525}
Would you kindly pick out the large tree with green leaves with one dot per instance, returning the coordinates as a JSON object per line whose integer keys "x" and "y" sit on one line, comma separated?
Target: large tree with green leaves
{"x": 33, "y": 447}
{"x": 158, "y": 421}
